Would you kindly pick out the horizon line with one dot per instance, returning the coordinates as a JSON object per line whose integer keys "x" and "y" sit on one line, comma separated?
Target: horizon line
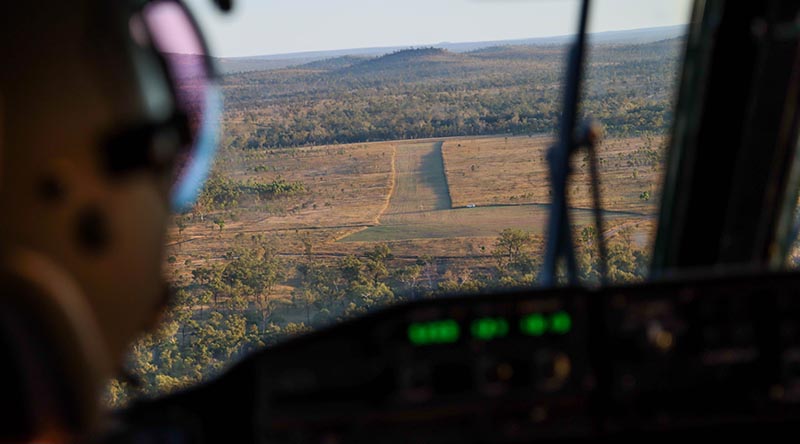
{"x": 432, "y": 45}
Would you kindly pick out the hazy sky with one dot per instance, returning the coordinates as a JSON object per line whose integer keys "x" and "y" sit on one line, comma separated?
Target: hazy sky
{"x": 259, "y": 27}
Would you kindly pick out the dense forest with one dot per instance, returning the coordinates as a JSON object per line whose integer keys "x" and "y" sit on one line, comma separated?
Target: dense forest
{"x": 431, "y": 92}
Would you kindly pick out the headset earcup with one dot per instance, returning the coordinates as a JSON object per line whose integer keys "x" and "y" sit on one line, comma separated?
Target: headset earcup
{"x": 54, "y": 348}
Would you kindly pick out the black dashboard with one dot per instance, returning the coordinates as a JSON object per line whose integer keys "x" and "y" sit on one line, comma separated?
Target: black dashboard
{"x": 713, "y": 358}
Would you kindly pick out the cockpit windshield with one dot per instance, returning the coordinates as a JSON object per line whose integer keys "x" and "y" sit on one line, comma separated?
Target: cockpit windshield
{"x": 379, "y": 152}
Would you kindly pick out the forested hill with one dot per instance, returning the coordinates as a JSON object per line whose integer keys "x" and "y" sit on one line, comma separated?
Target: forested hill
{"x": 432, "y": 92}
{"x": 333, "y": 63}
{"x": 278, "y": 61}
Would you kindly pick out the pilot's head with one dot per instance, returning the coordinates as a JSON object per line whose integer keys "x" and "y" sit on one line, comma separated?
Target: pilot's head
{"x": 107, "y": 112}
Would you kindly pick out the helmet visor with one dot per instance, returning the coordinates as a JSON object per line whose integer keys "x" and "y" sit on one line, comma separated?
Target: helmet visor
{"x": 175, "y": 35}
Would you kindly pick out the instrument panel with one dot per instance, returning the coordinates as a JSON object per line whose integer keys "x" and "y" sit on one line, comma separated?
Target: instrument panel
{"x": 719, "y": 355}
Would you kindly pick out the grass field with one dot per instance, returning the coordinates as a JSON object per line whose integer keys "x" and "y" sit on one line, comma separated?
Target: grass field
{"x": 477, "y": 222}
{"x": 514, "y": 170}
{"x": 488, "y": 174}
{"x": 347, "y": 186}
{"x": 419, "y": 198}
{"x": 420, "y": 183}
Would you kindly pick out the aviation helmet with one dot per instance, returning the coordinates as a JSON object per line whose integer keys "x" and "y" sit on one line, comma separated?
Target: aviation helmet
{"x": 108, "y": 124}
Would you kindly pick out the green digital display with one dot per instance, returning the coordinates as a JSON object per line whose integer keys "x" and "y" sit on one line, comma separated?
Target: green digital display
{"x": 561, "y": 322}
{"x": 435, "y": 332}
{"x": 448, "y": 331}
{"x": 533, "y": 324}
{"x": 537, "y": 324}
{"x": 489, "y": 328}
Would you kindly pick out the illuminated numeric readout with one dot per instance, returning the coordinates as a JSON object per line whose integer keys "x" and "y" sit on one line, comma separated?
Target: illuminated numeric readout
{"x": 448, "y": 331}
{"x": 435, "y": 332}
{"x": 537, "y": 324}
{"x": 489, "y": 328}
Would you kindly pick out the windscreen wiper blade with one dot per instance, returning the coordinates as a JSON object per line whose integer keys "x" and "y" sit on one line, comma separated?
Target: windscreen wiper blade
{"x": 560, "y": 244}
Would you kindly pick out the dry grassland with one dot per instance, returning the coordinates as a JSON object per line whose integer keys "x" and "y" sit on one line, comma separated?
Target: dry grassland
{"x": 413, "y": 196}
{"x": 513, "y": 170}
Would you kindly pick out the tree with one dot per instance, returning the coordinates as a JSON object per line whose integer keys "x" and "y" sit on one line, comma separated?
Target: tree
{"x": 307, "y": 298}
{"x": 254, "y": 273}
{"x": 428, "y": 264}
{"x": 209, "y": 279}
{"x": 308, "y": 244}
{"x": 352, "y": 269}
{"x": 220, "y": 222}
{"x": 202, "y": 206}
{"x": 181, "y": 223}
{"x": 376, "y": 262}
{"x": 588, "y": 235}
{"x": 512, "y": 252}
{"x": 409, "y": 276}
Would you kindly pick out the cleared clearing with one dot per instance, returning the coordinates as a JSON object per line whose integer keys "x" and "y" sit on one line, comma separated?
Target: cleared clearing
{"x": 420, "y": 205}
{"x": 420, "y": 184}
{"x": 514, "y": 170}
{"x": 419, "y": 197}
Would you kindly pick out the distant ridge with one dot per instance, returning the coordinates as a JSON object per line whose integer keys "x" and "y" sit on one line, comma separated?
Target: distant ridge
{"x": 426, "y": 62}
{"x": 333, "y": 63}
{"x": 279, "y": 61}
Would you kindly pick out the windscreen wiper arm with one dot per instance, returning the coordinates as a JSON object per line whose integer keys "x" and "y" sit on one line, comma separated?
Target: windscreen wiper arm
{"x": 560, "y": 244}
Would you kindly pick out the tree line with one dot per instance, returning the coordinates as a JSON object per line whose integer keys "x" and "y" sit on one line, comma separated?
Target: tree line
{"x": 223, "y": 311}
{"x": 629, "y": 89}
